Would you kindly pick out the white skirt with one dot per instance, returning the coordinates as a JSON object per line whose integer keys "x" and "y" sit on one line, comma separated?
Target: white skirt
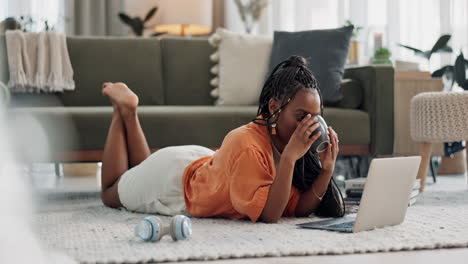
{"x": 155, "y": 185}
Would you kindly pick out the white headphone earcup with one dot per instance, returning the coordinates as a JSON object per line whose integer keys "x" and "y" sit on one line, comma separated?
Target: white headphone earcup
{"x": 149, "y": 229}
{"x": 181, "y": 227}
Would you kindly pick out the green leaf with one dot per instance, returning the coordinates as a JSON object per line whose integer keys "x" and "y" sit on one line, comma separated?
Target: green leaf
{"x": 125, "y": 18}
{"x": 465, "y": 85}
{"x": 427, "y": 54}
{"x": 460, "y": 70}
{"x": 135, "y": 23}
{"x": 150, "y": 14}
{"x": 137, "y": 26}
{"x": 447, "y": 49}
{"x": 416, "y": 51}
{"x": 441, "y": 44}
{"x": 444, "y": 70}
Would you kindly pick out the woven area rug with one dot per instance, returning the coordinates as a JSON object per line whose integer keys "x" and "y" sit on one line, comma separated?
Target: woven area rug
{"x": 81, "y": 227}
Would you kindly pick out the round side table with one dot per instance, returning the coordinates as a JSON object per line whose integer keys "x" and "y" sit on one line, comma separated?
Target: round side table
{"x": 437, "y": 117}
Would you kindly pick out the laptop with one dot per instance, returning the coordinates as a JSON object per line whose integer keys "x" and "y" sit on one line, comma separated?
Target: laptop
{"x": 385, "y": 198}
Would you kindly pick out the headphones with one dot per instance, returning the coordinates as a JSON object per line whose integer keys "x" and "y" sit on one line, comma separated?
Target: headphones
{"x": 152, "y": 229}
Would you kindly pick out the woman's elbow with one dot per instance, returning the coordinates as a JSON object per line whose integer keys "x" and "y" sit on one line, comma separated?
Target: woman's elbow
{"x": 269, "y": 220}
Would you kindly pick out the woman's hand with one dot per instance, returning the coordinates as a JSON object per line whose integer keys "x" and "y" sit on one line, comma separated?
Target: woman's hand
{"x": 301, "y": 141}
{"x": 328, "y": 157}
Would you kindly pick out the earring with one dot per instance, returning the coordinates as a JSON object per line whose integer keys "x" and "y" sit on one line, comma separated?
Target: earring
{"x": 273, "y": 129}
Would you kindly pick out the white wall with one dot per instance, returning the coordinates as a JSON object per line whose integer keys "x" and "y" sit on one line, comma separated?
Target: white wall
{"x": 232, "y": 18}
{"x": 139, "y": 7}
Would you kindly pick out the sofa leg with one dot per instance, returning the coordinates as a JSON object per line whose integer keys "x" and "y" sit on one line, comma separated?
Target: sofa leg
{"x": 58, "y": 170}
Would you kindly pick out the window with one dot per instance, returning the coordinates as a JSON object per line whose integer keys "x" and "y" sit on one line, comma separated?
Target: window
{"x": 416, "y": 23}
{"x": 419, "y": 28}
{"x": 459, "y": 15}
{"x": 39, "y": 10}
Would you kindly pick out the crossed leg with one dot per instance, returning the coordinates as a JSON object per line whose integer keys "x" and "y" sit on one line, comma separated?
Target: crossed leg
{"x": 125, "y": 146}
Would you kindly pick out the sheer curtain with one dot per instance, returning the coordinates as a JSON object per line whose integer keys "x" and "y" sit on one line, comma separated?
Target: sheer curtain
{"x": 417, "y": 23}
{"x": 294, "y": 15}
{"x": 459, "y": 28}
{"x": 39, "y": 10}
{"x": 305, "y": 14}
{"x": 75, "y": 17}
{"x": 420, "y": 27}
{"x": 94, "y": 17}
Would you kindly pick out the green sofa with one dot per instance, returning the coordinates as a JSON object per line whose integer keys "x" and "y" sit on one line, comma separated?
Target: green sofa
{"x": 171, "y": 77}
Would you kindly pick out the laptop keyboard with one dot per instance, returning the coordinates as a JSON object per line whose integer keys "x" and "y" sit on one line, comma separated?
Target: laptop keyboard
{"x": 343, "y": 225}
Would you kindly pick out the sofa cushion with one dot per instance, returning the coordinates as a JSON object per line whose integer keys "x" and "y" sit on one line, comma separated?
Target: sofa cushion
{"x": 352, "y": 92}
{"x": 135, "y": 61}
{"x": 242, "y": 66}
{"x": 352, "y": 125}
{"x": 200, "y": 125}
{"x": 186, "y": 71}
{"x": 377, "y": 82}
{"x": 326, "y": 51}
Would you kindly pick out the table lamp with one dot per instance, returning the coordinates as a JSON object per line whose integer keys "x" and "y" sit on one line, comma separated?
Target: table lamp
{"x": 185, "y": 17}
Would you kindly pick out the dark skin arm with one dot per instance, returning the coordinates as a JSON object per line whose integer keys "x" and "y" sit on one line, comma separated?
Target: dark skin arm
{"x": 310, "y": 199}
{"x": 297, "y": 146}
{"x": 278, "y": 195}
{"x": 279, "y": 191}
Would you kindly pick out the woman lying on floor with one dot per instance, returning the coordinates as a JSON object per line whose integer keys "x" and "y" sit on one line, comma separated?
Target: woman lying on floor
{"x": 262, "y": 171}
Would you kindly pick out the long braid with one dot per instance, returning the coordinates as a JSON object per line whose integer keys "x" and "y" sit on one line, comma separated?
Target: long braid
{"x": 286, "y": 79}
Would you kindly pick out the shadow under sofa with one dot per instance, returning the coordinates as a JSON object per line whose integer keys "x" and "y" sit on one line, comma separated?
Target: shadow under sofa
{"x": 171, "y": 77}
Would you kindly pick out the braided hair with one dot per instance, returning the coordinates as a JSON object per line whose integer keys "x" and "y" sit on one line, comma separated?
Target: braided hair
{"x": 286, "y": 79}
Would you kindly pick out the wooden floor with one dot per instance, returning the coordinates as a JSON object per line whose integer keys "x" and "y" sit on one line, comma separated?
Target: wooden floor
{"x": 86, "y": 177}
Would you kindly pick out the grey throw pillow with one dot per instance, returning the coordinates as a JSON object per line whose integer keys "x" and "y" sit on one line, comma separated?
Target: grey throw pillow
{"x": 325, "y": 50}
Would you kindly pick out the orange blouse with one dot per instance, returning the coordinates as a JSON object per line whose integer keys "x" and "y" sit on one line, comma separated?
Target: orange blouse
{"x": 234, "y": 182}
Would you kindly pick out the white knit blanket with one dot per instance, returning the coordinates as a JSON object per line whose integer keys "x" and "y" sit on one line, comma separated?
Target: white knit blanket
{"x": 79, "y": 225}
{"x": 38, "y": 62}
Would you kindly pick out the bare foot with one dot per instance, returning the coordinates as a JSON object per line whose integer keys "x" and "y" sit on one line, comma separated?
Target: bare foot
{"x": 122, "y": 97}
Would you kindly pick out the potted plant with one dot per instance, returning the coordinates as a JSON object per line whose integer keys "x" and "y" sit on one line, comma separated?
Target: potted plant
{"x": 10, "y": 23}
{"x": 353, "y": 54}
{"x": 25, "y": 24}
{"x": 250, "y": 12}
{"x": 441, "y": 46}
{"x": 137, "y": 24}
{"x": 382, "y": 56}
{"x": 454, "y": 73}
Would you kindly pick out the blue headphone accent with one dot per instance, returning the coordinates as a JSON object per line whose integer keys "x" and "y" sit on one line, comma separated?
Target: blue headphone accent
{"x": 153, "y": 235}
{"x": 183, "y": 227}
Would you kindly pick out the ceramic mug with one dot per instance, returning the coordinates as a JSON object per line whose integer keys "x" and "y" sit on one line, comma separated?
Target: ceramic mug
{"x": 321, "y": 144}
